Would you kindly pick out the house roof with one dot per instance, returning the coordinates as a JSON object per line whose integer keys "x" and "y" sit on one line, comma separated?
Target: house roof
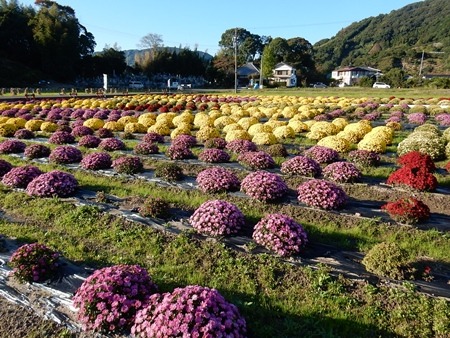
{"x": 283, "y": 66}
{"x": 247, "y": 69}
{"x": 349, "y": 69}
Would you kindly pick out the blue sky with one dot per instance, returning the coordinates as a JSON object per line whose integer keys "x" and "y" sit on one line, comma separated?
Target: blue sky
{"x": 200, "y": 23}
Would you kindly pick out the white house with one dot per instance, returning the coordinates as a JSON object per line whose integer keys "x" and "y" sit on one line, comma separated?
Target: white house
{"x": 284, "y": 73}
{"x": 351, "y": 75}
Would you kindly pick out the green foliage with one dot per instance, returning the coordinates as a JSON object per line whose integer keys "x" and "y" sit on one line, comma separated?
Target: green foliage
{"x": 154, "y": 207}
{"x": 168, "y": 171}
{"x": 387, "y": 260}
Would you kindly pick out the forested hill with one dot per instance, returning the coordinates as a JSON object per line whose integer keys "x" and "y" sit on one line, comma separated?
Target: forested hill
{"x": 394, "y": 40}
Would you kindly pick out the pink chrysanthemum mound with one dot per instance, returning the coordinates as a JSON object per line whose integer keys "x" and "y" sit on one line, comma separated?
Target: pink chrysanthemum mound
{"x": 96, "y": 161}
{"x": 20, "y": 177}
{"x": 111, "y": 144}
{"x": 65, "y": 155}
{"x": 301, "y": 165}
{"x": 264, "y": 186}
{"x": 128, "y": 165}
{"x": 109, "y": 299}
{"x": 12, "y": 147}
{"x": 192, "y": 311}
{"x": 37, "y": 151}
{"x": 280, "y": 234}
{"x": 34, "y": 263}
{"x": 322, "y": 154}
{"x": 214, "y": 155}
{"x": 341, "y": 172}
{"x": 217, "y": 218}
{"x": 53, "y": 184}
{"x": 5, "y": 167}
{"x": 178, "y": 151}
{"x": 256, "y": 160}
{"x": 241, "y": 146}
{"x": 217, "y": 179}
{"x": 321, "y": 194}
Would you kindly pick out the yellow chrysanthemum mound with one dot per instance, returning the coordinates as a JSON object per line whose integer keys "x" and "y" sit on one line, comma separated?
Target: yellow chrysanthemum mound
{"x": 394, "y": 126}
{"x": 159, "y": 127}
{"x": 237, "y": 135}
{"x": 373, "y": 143}
{"x": 7, "y": 129}
{"x": 340, "y": 123}
{"x": 384, "y": 132}
{"x": 179, "y": 131}
{"x": 127, "y": 119}
{"x": 183, "y": 118}
{"x": 49, "y": 127}
{"x": 166, "y": 118}
{"x": 275, "y": 123}
{"x": 289, "y": 112}
{"x": 147, "y": 119}
{"x": 335, "y": 142}
{"x": 321, "y": 129}
{"x": 202, "y": 120}
{"x": 33, "y": 125}
{"x": 247, "y": 122}
{"x": 358, "y": 129}
{"x": 259, "y": 128}
{"x": 230, "y": 127}
{"x": 223, "y": 121}
{"x": 94, "y": 123}
{"x": 135, "y": 127}
{"x": 283, "y": 132}
{"x": 206, "y": 133}
{"x": 298, "y": 126}
{"x": 17, "y": 121}
{"x": 114, "y": 126}
{"x": 264, "y": 139}
{"x": 4, "y": 119}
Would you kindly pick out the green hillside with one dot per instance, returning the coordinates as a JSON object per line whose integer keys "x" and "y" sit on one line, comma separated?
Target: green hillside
{"x": 394, "y": 40}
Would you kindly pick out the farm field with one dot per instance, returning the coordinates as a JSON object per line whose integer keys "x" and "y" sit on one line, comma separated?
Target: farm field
{"x": 317, "y": 215}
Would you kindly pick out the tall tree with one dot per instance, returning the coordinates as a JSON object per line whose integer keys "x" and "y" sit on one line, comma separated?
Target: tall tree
{"x": 153, "y": 42}
{"x": 248, "y": 45}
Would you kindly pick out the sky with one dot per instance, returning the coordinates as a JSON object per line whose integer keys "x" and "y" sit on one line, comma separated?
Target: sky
{"x": 199, "y": 24}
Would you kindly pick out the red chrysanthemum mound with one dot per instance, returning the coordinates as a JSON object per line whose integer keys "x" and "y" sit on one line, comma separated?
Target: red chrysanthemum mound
{"x": 407, "y": 210}
{"x": 280, "y": 234}
{"x": 192, "y": 311}
{"x": 416, "y": 159}
{"x": 416, "y": 178}
{"x": 109, "y": 299}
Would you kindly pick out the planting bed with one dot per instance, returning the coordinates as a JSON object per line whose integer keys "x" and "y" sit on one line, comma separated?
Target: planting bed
{"x": 341, "y": 226}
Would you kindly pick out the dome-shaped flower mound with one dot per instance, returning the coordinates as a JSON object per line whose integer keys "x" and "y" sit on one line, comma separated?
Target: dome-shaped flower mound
{"x": 264, "y": 186}
{"x": 52, "y": 184}
{"x": 128, "y": 165}
{"x": 214, "y": 155}
{"x": 109, "y": 299}
{"x": 217, "y": 179}
{"x": 280, "y": 234}
{"x": 37, "y": 151}
{"x": 96, "y": 161}
{"x": 301, "y": 165}
{"x": 65, "y": 154}
{"x": 341, "y": 172}
{"x": 407, "y": 210}
{"x": 104, "y": 133}
{"x": 364, "y": 158}
{"x": 322, "y": 154}
{"x": 19, "y": 177}
{"x": 416, "y": 159}
{"x": 187, "y": 141}
{"x": 5, "y": 166}
{"x": 256, "y": 160}
{"x": 34, "y": 263}
{"x": 145, "y": 148}
{"x": 321, "y": 194}
{"x": 111, "y": 144}
{"x": 153, "y": 138}
{"x": 61, "y": 137}
{"x": 89, "y": 141}
{"x": 216, "y": 142}
{"x": 12, "y": 147}
{"x": 179, "y": 152}
{"x": 192, "y": 311}
{"x": 217, "y": 218}
{"x": 24, "y": 134}
{"x": 241, "y": 146}
{"x": 416, "y": 178}
{"x": 80, "y": 131}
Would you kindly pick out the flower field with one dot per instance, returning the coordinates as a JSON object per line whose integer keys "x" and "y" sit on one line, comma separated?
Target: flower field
{"x": 226, "y": 215}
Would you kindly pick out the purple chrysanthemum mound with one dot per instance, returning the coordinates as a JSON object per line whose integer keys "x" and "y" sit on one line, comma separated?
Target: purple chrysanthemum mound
{"x": 217, "y": 218}
{"x": 364, "y": 158}
{"x": 264, "y": 186}
{"x": 153, "y": 138}
{"x": 34, "y": 263}
{"x": 179, "y": 152}
{"x": 12, "y": 147}
{"x": 216, "y": 142}
{"x": 192, "y": 311}
{"x": 342, "y": 172}
{"x": 322, "y": 154}
{"x": 321, "y": 194}
{"x": 80, "y": 131}
{"x": 89, "y": 141}
{"x": 256, "y": 160}
{"x": 111, "y": 144}
{"x": 301, "y": 165}
{"x": 24, "y": 134}
{"x": 128, "y": 165}
{"x": 146, "y": 148}
{"x": 217, "y": 179}
{"x": 104, "y": 133}
{"x": 214, "y": 155}
{"x": 52, "y": 184}
{"x": 61, "y": 137}
{"x": 280, "y": 234}
{"x": 5, "y": 167}
{"x": 109, "y": 299}
{"x": 65, "y": 155}
{"x": 19, "y": 177}
{"x": 96, "y": 161}
{"x": 241, "y": 146}
{"x": 37, "y": 151}
{"x": 186, "y": 141}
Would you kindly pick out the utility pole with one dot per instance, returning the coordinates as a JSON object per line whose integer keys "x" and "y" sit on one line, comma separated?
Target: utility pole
{"x": 261, "y": 73}
{"x": 421, "y": 60}
{"x": 235, "y": 60}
